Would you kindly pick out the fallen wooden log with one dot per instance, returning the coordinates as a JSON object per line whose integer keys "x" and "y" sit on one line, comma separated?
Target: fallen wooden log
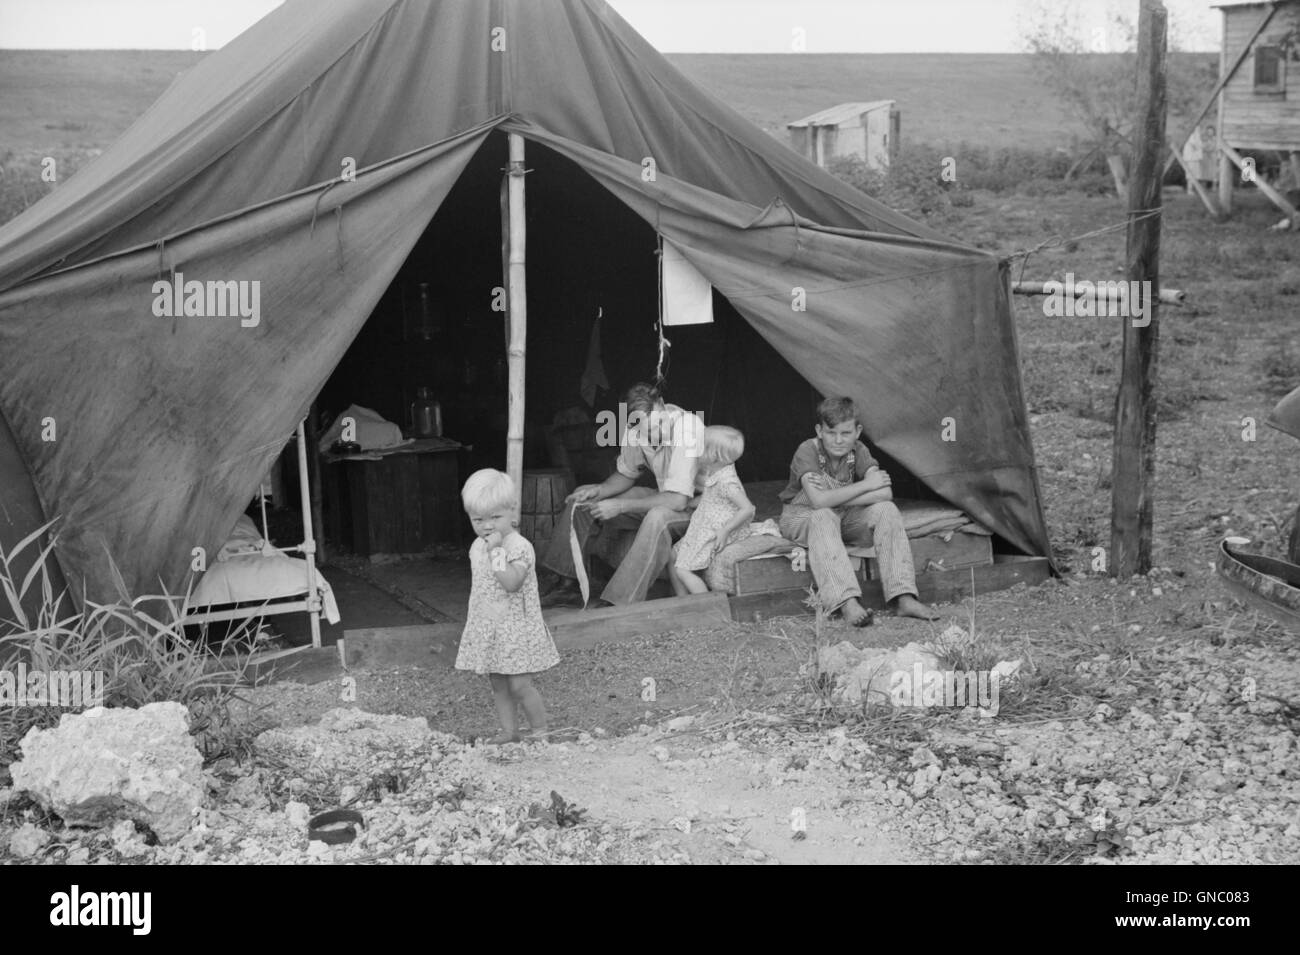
{"x": 1168, "y": 296}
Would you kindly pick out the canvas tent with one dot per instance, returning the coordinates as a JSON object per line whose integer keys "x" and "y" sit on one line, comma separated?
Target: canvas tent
{"x": 166, "y": 424}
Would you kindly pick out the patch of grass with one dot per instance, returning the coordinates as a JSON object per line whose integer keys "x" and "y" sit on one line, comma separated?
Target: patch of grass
{"x": 1052, "y": 849}
{"x": 21, "y": 177}
{"x": 959, "y": 649}
{"x": 137, "y": 645}
{"x": 1280, "y": 369}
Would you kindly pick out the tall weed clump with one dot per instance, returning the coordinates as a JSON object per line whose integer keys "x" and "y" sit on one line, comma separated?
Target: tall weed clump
{"x": 139, "y": 645}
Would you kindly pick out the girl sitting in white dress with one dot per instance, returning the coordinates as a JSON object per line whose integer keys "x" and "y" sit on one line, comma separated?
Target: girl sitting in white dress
{"x": 723, "y": 514}
{"x": 505, "y": 637}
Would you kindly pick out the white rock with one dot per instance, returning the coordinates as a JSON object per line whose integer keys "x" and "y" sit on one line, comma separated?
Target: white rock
{"x": 869, "y": 675}
{"x": 28, "y": 840}
{"x": 126, "y": 841}
{"x": 105, "y": 764}
{"x": 298, "y": 814}
{"x": 679, "y": 723}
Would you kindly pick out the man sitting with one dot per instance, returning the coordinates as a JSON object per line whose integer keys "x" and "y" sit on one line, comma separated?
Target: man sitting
{"x": 631, "y": 527}
{"x": 836, "y": 494}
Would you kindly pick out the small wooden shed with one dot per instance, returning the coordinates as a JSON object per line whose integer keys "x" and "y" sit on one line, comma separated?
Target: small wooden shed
{"x": 1259, "y": 93}
{"x": 868, "y": 130}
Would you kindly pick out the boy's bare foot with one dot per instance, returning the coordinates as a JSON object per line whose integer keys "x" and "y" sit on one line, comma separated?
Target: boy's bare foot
{"x": 854, "y": 614}
{"x": 909, "y": 606}
{"x": 502, "y": 738}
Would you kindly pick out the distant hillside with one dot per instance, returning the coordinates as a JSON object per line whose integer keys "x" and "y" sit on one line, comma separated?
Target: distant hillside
{"x": 78, "y": 99}
{"x": 85, "y": 99}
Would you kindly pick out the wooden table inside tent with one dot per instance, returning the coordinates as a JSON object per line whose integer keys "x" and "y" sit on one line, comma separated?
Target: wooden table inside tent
{"x": 398, "y": 500}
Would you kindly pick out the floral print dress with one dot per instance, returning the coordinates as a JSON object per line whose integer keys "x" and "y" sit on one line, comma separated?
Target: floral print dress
{"x": 723, "y": 497}
{"x": 504, "y": 632}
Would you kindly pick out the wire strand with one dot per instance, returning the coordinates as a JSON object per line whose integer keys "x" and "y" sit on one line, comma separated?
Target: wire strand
{"x": 1058, "y": 240}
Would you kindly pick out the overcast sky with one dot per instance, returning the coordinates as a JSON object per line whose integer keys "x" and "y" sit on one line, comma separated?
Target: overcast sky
{"x": 673, "y": 26}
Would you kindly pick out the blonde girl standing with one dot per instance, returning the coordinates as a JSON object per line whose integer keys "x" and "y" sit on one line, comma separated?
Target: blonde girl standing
{"x": 505, "y": 637}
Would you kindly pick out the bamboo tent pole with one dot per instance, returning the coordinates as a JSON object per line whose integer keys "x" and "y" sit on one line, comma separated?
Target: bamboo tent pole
{"x": 517, "y": 303}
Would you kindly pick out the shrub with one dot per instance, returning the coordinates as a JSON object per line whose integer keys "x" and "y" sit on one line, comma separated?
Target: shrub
{"x": 913, "y": 184}
{"x": 138, "y": 645}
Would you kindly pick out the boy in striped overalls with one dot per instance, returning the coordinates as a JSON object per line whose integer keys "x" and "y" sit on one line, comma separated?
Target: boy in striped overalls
{"x": 837, "y": 493}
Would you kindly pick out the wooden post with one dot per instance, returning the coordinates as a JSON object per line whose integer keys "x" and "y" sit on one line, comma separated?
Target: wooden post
{"x": 1225, "y": 164}
{"x": 1133, "y": 483}
{"x": 517, "y": 302}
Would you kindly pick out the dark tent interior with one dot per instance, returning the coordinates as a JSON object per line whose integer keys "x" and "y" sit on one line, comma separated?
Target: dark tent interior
{"x": 585, "y": 251}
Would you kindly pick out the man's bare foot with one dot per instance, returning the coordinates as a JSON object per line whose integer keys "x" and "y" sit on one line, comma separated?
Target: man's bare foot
{"x": 909, "y": 606}
{"x": 854, "y": 614}
{"x": 502, "y": 738}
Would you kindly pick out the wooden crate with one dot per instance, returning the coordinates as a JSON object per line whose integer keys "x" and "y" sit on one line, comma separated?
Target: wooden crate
{"x": 929, "y": 554}
{"x": 772, "y": 572}
{"x": 398, "y": 504}
{"x": 933, "y": 553}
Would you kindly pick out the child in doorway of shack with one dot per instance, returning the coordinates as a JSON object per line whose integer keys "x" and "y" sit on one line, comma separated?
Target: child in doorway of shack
{"x": 723, "y": 515}
{"x": 505, "y": 637}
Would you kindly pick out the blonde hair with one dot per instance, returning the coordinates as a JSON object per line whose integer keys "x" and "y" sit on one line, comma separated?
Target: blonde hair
{"x": 722, "y": 445}
{"x": 488, "y": 490}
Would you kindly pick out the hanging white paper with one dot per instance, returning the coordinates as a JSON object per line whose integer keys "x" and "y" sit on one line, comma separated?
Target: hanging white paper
{"x": 687, "y": 295}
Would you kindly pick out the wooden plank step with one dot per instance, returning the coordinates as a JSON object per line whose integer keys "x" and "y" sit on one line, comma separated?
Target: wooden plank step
{"x": 932, "y": 553}
{"x": 584, "y": 628}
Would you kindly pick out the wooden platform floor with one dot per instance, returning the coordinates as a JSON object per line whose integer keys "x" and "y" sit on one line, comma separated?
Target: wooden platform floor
{"x": 395, "y": 636}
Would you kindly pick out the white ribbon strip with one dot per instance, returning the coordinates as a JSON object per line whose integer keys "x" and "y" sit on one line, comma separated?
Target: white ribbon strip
{"x": 576, "y": 549}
